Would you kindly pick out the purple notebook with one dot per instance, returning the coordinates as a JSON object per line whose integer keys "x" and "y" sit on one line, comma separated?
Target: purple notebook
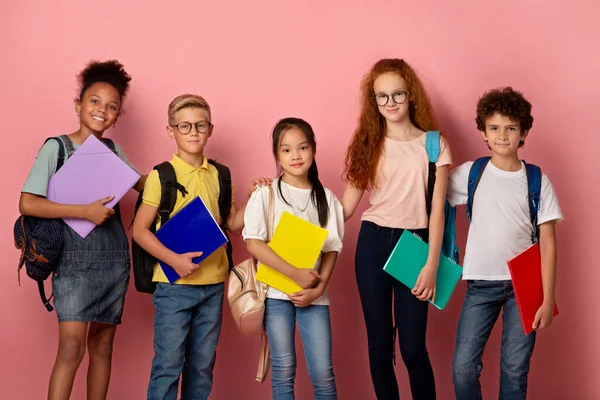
{"x": 92, "y": 173}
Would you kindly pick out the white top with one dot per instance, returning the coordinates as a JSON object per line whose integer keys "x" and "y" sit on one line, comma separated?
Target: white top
{"x": 500, "y": 226}
{"x": 255, "y": 221}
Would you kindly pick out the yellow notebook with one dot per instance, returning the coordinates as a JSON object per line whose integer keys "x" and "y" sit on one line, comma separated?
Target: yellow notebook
{"x": 299, "y": 243}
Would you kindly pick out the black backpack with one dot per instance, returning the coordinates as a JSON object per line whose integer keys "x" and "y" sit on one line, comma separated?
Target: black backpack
{"x": 41, "y": 240}
{"x": 143, "y": 262}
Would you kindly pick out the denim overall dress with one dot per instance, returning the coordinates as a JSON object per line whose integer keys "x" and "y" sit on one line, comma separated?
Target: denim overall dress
{"x": 93, "y": 274}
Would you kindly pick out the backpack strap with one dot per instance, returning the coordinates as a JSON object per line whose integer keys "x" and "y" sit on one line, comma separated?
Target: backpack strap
{"x": 225, "y": 191}
{"x": 169, "y": 187}
{"x": 474, "y": 178}
{"x": 225, "y": 196}
{"x": 448, "y": 248}
{"x": 45, "y": 300}
{"x": 69, "y": 144}
{"x": 62, "y": 155}
{"x": 61, "y": 151}
{"x": 110, "y": 144}
{"x": 432, "y": 145}
{"x": 534, "y": 187}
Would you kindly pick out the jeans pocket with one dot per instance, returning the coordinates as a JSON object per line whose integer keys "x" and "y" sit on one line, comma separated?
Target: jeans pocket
{"x": 124, "y": 281}
{"x": 62, "y": 282}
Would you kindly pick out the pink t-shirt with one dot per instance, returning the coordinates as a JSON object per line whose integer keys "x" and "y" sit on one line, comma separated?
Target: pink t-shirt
{"x": 398, "y": 200}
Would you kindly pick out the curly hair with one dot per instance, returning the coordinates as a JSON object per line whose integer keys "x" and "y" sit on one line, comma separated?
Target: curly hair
{"x": 507, "y": 102}
{"x": 366, "y": 146}
{"x": 111, "y": 72}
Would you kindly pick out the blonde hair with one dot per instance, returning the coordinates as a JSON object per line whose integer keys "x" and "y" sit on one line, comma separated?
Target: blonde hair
{"x": 187, "y": 101}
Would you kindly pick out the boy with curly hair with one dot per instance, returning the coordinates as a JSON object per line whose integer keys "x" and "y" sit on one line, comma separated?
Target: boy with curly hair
{"x": 501, "y": 228}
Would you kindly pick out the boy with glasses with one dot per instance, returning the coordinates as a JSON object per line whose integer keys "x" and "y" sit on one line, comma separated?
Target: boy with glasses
{"x": 188, "y": 318}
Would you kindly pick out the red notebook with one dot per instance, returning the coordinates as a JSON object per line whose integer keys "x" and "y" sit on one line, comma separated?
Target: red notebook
{"x": 526, "y": 273}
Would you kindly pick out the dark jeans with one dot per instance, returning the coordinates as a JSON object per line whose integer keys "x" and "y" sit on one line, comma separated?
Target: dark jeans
{"x": 375, "y": 286}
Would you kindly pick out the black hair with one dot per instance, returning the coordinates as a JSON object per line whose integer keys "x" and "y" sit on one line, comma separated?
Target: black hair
{"x": 111, "y": 72}
{"x": 317, "y": 194}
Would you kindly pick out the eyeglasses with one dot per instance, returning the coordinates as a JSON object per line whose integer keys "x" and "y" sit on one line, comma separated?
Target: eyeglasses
{"x": 186, "y": 127}
{"x": 382, "y": 99}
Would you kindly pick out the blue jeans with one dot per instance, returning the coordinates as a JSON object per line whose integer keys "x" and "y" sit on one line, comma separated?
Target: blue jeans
{"x": 315, "y": 330}
{"x": 187, "y": 324}
{"x": 483, "y": 302}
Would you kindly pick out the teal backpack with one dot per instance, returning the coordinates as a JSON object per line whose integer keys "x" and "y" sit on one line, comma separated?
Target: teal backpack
{"x": 449, "y": 248}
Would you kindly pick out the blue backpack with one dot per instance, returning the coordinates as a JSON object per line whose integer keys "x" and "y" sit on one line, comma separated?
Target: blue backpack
{"x": 534, "y": 185}
{"x": 41, "y": 240}
{"x": 449, "y": 248}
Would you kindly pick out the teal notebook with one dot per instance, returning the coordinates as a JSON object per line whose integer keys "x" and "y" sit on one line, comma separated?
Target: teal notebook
{"x": 409, "y": 257}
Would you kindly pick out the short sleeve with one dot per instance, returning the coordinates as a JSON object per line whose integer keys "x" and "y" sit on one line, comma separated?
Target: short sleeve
{"x": 549, "y": 207}
{"x": 255, "y": 217}
{"x": 152, "y": 190}
{"x": 123, "y": 157}
{"x": 458, "y": 184}
{"x": 445, "y": 157}
{"x": 43, "y": 169}
{"x": 335, "y": 225}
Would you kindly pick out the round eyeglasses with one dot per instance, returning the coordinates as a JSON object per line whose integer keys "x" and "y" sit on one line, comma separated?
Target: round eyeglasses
{"x": 382, "y": 99}
{"x": 186, "y": 127}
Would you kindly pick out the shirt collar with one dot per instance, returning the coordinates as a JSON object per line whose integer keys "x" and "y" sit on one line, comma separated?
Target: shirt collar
{"x": 178, "y": 163}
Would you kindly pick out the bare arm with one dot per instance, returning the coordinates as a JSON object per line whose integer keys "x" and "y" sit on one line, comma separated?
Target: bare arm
{"x": 425, "y": 287}
{"x": 545, "y": 313}
{"x": 350, "y": 200}
{"x": 436, "y": 220}
{"x": 235, "y": 220}
{"x": 139, "y": 186}
{"x": 306, "y": 278}
{"x": 38, "y": 206}
{"x": 182, "y": 263}
{"x": 327, "y": 267}
{"x": 548, "y": 253}
{"x": 306, "y": 297}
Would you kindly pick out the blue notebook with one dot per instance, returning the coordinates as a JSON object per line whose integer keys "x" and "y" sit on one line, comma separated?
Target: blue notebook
{"x": 409, "y": 257}
{"x": 192, "y": 228}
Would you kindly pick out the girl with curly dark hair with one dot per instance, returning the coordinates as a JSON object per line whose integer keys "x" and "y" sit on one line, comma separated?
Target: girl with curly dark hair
{"x": 90, "y": 284}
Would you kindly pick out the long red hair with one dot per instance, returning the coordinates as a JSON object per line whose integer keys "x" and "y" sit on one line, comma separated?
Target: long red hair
{"x": 364, "y": 151}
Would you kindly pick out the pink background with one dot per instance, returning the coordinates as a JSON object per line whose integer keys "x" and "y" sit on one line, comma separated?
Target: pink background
{"x": 261, "y": 62}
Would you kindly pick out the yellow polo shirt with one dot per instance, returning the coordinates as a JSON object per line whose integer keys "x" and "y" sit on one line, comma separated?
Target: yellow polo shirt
{"x": 203, "y": 182}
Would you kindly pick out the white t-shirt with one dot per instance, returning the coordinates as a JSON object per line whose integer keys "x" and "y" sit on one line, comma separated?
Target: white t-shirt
{"x": 255, "y": 221}
{"x": 500, "y": 226}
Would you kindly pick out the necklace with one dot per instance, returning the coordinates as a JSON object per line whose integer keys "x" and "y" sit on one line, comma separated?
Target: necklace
{"x": 293, "y": 202}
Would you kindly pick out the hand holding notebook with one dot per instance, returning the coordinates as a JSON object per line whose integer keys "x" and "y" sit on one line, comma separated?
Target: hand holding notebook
{"x": 526, "y": 274}
{"x": 184, "y": 264}
{"x": 192, "y": 229}
{"x": 299, "y": 243}
{"x": 407, "y": 260}
{"x": 93, "y": 172}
